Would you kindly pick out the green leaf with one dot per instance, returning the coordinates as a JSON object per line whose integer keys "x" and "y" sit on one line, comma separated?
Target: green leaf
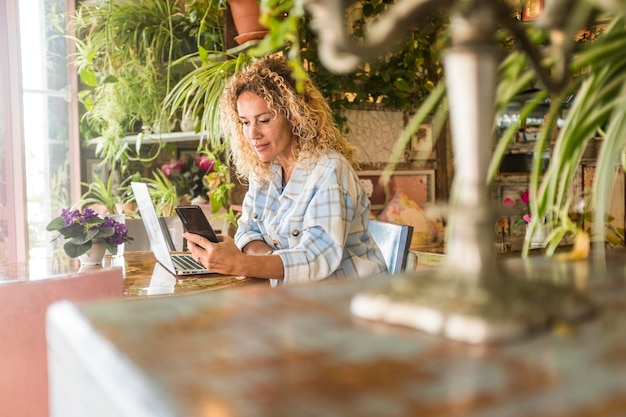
{"x": 111, "y": 248}
{"x": 73, "y": 231}
{"x": 203, "y": 54}
{"x": 74, "y": 251}
{"x": 88, "y": 77}
{"x": 106, "y": 232}
{"x": 402, "y": 85}
{"x": 110, "y": 79}
{"x": 55, "y": 224}
{"x": 84, "y": 238}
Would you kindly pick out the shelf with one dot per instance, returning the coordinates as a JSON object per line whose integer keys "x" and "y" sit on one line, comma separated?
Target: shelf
{"x": 163, "y": 137}
{"x": 528, "y": 147}
{"x": 524, "y": 147}
{"x": 223, "y": 56}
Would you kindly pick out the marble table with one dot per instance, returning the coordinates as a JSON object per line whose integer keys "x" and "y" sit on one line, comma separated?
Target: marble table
{"x": 145, "y": 277}
{"x": 297, "y": 351}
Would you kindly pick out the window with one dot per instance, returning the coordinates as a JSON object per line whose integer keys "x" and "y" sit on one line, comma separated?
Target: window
{"x": 39, "y": 133}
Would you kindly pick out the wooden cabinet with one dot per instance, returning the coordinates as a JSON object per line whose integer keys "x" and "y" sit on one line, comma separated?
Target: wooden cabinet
{"x": 514, "y": 174}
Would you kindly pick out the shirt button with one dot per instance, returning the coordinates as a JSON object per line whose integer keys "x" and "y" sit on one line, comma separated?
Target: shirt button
{"x": 295, "y": 233}
{"x": 275, "y": 242}
{"x": 255, "y": 215}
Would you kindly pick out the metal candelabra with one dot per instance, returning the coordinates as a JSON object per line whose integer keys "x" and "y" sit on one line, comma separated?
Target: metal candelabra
{"x": 469, "y": 298}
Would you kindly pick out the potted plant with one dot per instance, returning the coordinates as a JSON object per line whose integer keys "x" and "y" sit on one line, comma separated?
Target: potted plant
{"x": 86, "y": 230}
{"x": 388, "y": 81}
{"x": 125, "y": 55}
{"x": 200, "y": 180}
{"x": 110, "y": 198}
{"x": 199, "y": 91}
{"x": 246, "y": 14}
{"x": 230, "y": 219}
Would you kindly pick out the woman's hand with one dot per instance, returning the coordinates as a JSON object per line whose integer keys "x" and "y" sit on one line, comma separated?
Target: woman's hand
{"x": 223, "y": 257}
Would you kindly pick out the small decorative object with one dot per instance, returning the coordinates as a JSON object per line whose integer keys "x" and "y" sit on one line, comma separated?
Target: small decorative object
{"x": 162, "y": 125}
{"x": 539, "y": 238}
{"x": 85, "y": 231}
{"x": 188, "y": 122}
{"x": 422, "y": 141}
{"x": 502, "y": 230}
{"x": 403, "y": 210}
{"x": 531, "y": 10}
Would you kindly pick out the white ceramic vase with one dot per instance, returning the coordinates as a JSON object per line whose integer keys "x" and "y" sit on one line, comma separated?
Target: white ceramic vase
{"x": 538, "y": 240}
{"x": 188, "y": 123}
{"x": 94, "y": 255}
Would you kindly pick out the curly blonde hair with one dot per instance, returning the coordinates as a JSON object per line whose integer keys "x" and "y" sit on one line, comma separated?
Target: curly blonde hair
{"x": 314, "y": 129}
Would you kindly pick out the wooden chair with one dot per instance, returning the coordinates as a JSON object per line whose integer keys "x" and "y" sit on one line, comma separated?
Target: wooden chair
{"x": 394, "y": 241}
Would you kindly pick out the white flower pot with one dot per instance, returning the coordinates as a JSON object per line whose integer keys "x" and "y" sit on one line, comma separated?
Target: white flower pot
{"x": 94, "y": 255}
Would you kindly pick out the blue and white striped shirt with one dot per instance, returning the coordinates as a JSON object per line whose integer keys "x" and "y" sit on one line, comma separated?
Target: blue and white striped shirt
{"x": 317, "y": 224}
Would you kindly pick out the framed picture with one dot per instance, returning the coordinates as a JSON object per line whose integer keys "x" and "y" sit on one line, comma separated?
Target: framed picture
{"x": 422, "y": 140}
{"x": 185, "y": 153}
{"x": 374, "y": 188}
{"x": 94, "y": 168}
{"x": 419, "y": 185}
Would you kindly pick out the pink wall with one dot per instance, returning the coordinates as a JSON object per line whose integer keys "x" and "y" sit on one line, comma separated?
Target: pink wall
{"x": 23, "y": 353}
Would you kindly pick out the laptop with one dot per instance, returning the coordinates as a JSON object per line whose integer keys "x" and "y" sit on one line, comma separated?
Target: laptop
{"x": 178, "y": 263}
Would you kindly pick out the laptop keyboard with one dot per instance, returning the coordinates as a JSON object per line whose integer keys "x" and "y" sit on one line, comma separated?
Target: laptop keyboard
{"x": 186, "y": 262}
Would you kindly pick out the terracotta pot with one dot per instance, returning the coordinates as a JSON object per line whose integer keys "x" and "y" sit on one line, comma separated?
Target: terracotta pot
{"x": 245, "y": 15}
{"x": 129, "y": 209}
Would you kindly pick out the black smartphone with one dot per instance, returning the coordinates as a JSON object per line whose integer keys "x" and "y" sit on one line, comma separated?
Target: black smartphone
{"x": 194, "y": 221}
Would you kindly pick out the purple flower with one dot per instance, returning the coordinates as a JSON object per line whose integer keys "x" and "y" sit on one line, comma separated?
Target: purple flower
{"x": 120, "y": 234}
{"x": 70, "y": 216}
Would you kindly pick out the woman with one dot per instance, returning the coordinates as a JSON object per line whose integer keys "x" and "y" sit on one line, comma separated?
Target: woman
{"x": 305, "y": 215}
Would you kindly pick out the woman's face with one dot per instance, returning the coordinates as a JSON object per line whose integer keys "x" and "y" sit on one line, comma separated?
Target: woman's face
{"x": 270, "y": 136}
